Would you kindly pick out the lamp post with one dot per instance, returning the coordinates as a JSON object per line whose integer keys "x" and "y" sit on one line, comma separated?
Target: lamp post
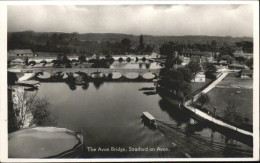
{"x": 214, "y": 111}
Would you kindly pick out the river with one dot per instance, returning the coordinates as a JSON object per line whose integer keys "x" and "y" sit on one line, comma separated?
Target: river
{"x": 109, "y": 116}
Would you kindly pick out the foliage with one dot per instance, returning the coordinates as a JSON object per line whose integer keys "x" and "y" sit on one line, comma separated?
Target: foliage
{"x": 240, "y": 59}
{"x": 187, "y": 74}
{"x": 141, "y": 43}
{"x": 194, "y": 67}
{"x": 249, "y": 62}
{"x": 247, "y": 46}
{"x": 31, "y": 110}
{"x": 231, "y": 113}
{"x": 204, "y": 99}
{"x": 225, "y": 51}
{"x": 11, "y": 78}
{"x": 126, "y": 43}
{"x": 149, "y": 49}
{"x": 143, "y": 59}
{"x": 174, "y": 82}
{"x": 227, "y": 58}
{"x": 82, "y": 58}
{"x": 211, "y": 68}
{"x": 167, "y": 49}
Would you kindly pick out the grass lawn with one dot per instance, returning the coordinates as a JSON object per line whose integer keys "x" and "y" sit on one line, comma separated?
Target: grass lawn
{"x": 195, "y": 86}
{"x": 219, "y": 97}
{"x": 231, "y": 81}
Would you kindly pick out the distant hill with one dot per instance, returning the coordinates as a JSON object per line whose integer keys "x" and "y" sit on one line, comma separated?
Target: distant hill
{"x": 75, "y": 42}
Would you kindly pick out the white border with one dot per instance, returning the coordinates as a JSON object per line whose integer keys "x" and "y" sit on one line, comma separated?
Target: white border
{"x": 3, "y": 81}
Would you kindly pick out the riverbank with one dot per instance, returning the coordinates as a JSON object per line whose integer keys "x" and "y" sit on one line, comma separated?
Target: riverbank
{"x": 207, "y": 117}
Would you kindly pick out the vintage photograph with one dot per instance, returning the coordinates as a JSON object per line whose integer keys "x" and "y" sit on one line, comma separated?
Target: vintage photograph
{"x": 130, "y": 81}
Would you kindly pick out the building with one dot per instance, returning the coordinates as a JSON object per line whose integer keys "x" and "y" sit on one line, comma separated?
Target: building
{"x": 192, "y": 53}
{"x": 246, "y": 74}
{"x": 185, "y": 60}
{"x": 21, "y": 53}
{"x": 245, "y": 55}
{"x": 199, "y": 77}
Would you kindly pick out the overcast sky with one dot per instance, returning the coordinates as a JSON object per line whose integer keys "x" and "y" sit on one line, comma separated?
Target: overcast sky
{"x": 215, "y": 20}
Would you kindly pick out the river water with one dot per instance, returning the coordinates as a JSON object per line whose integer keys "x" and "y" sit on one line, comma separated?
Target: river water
{"x": 109, "y": 116}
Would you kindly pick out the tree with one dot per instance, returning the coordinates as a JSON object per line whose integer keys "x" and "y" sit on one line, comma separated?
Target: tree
{"x": 11, "y": 78}
{"x": 194, "y": 67}
{"x": 30, "y": 109}
{"x": 149, "y": 49}
{"x": 26, "y": 60}
{"x": 249, "y": 62}
{"x": 227, "y": 58}
{"x": 126, "y": 44}
{"x": 240, "y": 59}
{"x": 167, "y": 49}
{"x": 176, "y": 75}
{"x": 211, "y": 68}
{"x": 225, "y": 51}
{"x": 82, "y": 58}
{"x": 141, "y": 42}
{"x": 231, "y": 114}
{"x": 247, "y": 46}
{"x": 204, "y": 99}
{"x": 187, "y": 73}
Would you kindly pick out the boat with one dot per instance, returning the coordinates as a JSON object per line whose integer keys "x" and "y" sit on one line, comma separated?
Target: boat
{"x": 29, "y": 83}
{"x": 44, "y": 75}
{"x": 27, "y": 75}
{"x": 151, "y": 119}
{"x": 45, "y": 142}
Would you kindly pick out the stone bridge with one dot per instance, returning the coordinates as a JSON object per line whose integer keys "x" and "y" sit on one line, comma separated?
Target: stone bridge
{"x": 89, "y": 71}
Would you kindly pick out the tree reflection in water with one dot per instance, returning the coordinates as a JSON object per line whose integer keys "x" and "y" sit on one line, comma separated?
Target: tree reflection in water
{"x": 97, "y": 83}
{"x": 85, "y": 86}
{"x": 174, "y": 112}
{"x": 147, "y": 65}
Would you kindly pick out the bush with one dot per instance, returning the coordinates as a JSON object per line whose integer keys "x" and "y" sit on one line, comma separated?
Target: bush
{"x": 143, "y": 59}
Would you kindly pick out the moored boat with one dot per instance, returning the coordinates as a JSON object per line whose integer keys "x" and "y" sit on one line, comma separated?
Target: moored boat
{"x": 44, "y": 75}
{"x": 29, "y": 83}
{"x": 149, "y": 117}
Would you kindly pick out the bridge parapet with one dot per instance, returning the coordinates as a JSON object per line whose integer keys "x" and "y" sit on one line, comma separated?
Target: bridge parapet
{"x": 92, "y": 70}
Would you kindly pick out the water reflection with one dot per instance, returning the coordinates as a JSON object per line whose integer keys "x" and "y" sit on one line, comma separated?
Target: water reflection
{"x": 115, "y": 121}
{"x": 174, "y": 112}
{"x": 136, "y": 65}
{"x": 97, "y": 83}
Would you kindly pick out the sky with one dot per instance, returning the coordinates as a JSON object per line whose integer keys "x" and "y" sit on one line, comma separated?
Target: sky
{"x": 173, "y": 20}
